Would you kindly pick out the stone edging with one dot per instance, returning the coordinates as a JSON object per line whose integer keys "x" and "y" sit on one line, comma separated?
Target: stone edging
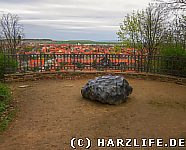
{"x": 33, "y": 76}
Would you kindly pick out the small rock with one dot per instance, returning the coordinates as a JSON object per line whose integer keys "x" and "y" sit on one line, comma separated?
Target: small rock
{"x": 69, "y": 85}
{"x": 23, "y": 86}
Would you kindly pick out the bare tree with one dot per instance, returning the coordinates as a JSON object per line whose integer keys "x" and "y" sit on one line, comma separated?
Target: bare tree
{"x": 154, "y": 27}
{"x": 1, "y": 41}
{"x": 182, "y": 25}
{"x": 176, "y": 32}
{"x": 174, "y": 4}
{"x": 11, "y": 32}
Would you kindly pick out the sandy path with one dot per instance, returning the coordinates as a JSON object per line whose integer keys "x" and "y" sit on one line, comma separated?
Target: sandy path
{"x": 52, "y": 112}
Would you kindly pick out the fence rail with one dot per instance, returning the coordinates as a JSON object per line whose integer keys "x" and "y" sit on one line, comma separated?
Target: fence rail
{"x": 20, "y": 63}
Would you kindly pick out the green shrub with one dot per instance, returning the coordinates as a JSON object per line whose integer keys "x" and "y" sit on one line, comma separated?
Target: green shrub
{"x": 174, "y": 59}
{"x": 173, "y": 50}
{"x": 80, "y": 65}
{"x": 5, "y": 96}
{"x": 6, "y": 120}
{"x": 7, "y": 65}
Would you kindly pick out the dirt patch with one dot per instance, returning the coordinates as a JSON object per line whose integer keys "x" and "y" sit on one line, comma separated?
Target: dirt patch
{"x": 51, "y": 113}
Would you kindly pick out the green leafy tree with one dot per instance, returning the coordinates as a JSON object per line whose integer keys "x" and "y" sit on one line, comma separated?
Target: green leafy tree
{"x": 145, "y": 30}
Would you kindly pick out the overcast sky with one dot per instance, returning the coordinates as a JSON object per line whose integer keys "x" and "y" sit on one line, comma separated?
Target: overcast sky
{"x": 71, "y": 19}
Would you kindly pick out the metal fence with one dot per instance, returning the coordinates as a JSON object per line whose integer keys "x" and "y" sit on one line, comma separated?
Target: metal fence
{"x": 95, "y": 62}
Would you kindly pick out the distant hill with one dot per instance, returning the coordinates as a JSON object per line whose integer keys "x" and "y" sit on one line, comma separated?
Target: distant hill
{"x": 38, "y": 40}
{"x": 50, "y": 41}
{"x": 84, "y": 42}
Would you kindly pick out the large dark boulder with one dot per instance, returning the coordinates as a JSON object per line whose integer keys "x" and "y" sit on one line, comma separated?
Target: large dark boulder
{"x": 107, "y": 89}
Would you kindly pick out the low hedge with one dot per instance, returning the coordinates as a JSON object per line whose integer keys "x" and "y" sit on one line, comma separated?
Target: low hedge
{"x": 5, "y": 114}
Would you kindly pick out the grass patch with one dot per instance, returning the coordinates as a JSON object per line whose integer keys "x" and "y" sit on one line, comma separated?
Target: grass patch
{"x": 6, "y": 120}
{"x": 6, "y": 110}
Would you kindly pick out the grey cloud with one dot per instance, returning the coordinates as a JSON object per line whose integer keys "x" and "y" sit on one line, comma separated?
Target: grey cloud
{"x": 81, "y": 19}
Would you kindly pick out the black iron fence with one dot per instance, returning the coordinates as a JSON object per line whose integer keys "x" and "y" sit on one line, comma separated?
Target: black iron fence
{"x": 95, "y": 62}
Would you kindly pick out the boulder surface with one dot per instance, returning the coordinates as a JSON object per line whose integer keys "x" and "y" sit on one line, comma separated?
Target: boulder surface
{"x": 107, "y": 89}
